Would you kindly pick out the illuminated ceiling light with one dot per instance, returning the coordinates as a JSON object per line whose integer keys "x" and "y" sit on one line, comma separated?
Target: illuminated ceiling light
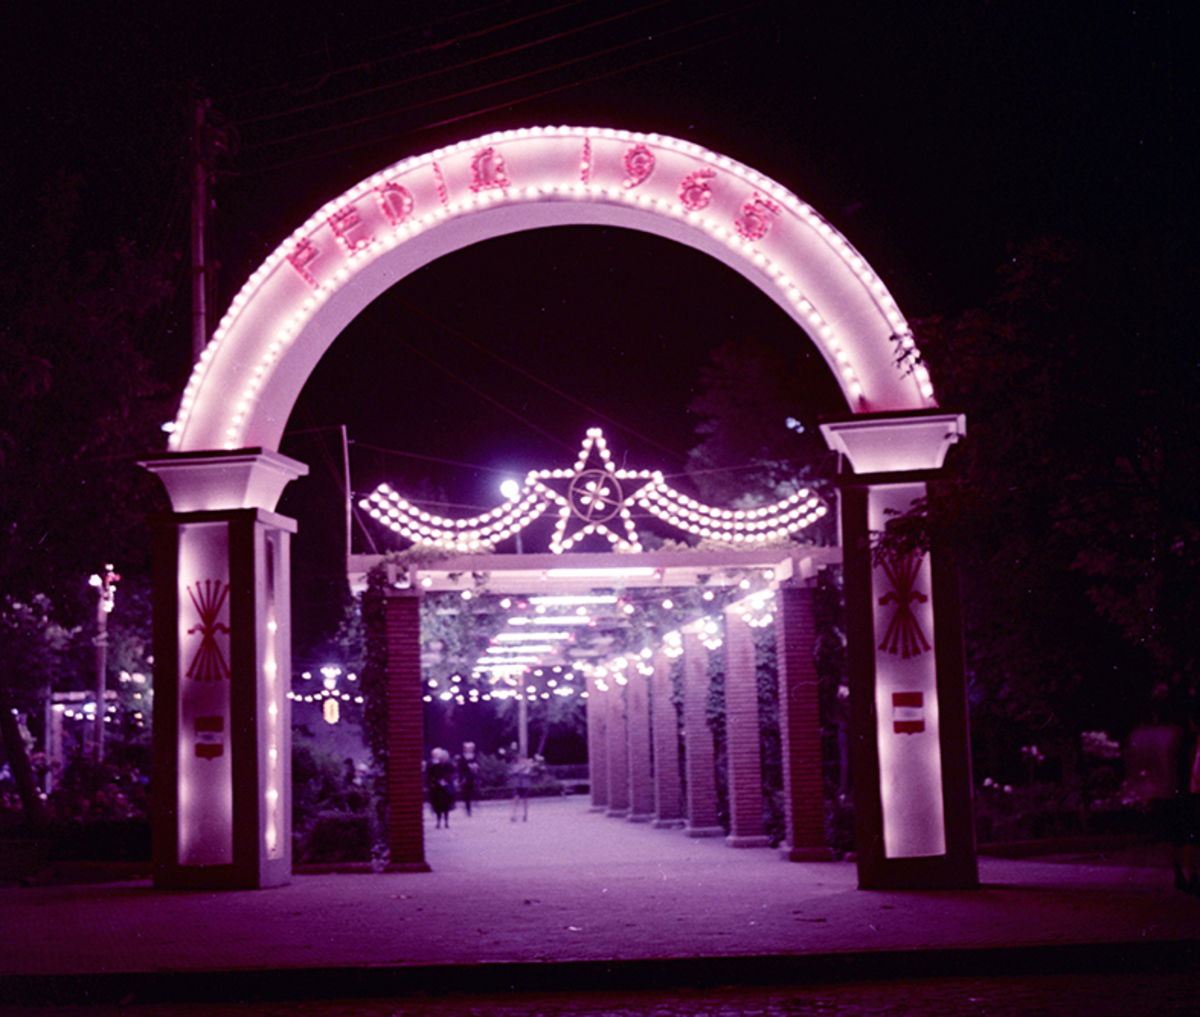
{"x": 602, "y": 573}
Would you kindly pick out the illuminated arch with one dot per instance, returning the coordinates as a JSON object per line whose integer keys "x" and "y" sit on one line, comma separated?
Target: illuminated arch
{"x": 293, "y": 307}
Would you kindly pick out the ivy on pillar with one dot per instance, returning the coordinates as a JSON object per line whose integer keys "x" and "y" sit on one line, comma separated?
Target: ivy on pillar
{"x": 911, "y": 759}
{"x": 668, "y": 791}
{"x": 597, "y": 715}
{"x": 699, "y": 751}
{"x": 641, "y": 778}
{"x": 743, "y": 743}
{"x": 800, "y": 726}
{"x": 598, "y": 742}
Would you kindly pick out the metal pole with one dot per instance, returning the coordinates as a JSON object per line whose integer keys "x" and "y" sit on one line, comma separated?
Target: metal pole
{"x": 106, "y": 592}
{"x": 101, "y": 678}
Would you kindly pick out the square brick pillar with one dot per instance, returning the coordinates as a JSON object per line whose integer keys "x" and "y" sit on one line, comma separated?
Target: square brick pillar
{"x": 597, "y": 715}
{"x": 699, "y": 752}
{"x": 618, "y": 750}
{"x": 641, "y": 777}
{"x": 800, "y": 726}
{"x": 743, "y": 744}
{"x": 668, "y": 790}
{"x": 406, "y": 791}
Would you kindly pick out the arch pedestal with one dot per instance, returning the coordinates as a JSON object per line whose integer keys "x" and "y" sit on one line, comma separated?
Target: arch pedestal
{"x": 222, "y": 639}
{"x": 911, "y": 751}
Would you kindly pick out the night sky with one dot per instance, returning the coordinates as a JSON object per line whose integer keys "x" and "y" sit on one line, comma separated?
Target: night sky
{"x": 932, "y": 135}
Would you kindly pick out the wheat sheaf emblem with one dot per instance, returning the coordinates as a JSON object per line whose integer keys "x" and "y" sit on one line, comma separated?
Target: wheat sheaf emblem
{"x": 904, "y": 635}
{"x": 208, "y": 597}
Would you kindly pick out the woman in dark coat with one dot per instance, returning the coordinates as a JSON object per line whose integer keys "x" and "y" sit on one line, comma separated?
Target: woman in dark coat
{"x": 440, "y": 779}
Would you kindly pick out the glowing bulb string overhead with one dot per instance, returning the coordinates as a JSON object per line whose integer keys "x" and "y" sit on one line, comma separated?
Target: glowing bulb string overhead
{"x": 594, "y": 498}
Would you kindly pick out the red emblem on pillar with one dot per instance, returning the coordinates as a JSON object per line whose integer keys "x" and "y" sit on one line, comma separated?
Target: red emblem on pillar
{"x": 208, "y": 663}
{"x": 904, "y": 635}
{"x": 210, "y": 737}
{"x": 908, "y": 712}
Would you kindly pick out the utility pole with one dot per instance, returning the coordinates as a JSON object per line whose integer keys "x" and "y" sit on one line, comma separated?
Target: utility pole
{"x": 201, "y": 170}
{"x": 106, "y": 595}
{"x": 209, "y": 140}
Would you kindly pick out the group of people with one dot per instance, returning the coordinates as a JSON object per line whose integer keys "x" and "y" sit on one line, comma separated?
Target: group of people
{"x": 448, "y": 779}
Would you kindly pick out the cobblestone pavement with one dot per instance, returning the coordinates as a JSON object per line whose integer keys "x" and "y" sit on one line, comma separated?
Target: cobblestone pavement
{"x": 1111, "y": 995}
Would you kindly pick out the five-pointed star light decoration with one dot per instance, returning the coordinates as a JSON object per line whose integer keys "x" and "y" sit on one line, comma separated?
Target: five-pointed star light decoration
{"x": 594, "y": 498}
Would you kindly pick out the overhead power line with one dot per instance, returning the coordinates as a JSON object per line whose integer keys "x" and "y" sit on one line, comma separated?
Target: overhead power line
{"x": 507, "y": 103}
{"x": 450, "y": 69}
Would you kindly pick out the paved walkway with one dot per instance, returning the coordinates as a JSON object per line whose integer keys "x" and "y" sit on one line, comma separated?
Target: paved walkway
{"x": 575, "y": 898}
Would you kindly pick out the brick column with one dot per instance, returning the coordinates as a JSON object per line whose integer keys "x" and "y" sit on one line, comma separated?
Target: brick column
{"x": 743, "y": 748}
{"x": 800, "y": 726}
{"x": 618, "y": 750}
{"x": 406, "y": 835}
{"x": 698, "y": 743}
{"x": 641, "y": 778}
{"x": 668, "y": 792}
{"x": 597, "y": 714}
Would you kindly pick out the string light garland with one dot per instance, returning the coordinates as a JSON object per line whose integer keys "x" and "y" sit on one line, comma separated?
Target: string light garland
{"x": 594, "y": 498}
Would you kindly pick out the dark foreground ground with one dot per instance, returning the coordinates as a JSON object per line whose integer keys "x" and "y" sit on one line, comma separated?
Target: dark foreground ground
{"x": 574, "y": 913}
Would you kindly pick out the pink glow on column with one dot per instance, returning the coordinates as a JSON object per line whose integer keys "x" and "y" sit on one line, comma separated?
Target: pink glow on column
{"x": 906, "y": 700}
{"x": 205, "y": 728}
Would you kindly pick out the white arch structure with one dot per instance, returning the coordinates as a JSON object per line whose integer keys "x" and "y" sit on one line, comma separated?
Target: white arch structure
{"x": 222, "y": 575}
{"x": 372, "y": 236}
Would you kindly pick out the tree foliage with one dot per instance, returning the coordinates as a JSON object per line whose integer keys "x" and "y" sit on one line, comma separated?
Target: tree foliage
{"x": 758, "y": 408}
{"x": 1075, "y": 516}
{"x": 79, "y": 403}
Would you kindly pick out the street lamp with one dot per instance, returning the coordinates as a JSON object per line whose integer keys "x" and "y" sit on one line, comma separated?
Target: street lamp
{"x": 106, "y": 596}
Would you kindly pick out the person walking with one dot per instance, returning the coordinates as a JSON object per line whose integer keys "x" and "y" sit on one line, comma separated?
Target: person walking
{"x": 439, "y": 776}
{"x": 468, "y": 774}
{"x": 521, "y": 776}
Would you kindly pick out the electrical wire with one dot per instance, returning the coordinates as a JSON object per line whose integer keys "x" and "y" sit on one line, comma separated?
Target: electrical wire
{"x": 298, "y": 89}
{"x": 508, "y": 103}
{"x": 375, "y": 89}
{"x": 396, "y": 298}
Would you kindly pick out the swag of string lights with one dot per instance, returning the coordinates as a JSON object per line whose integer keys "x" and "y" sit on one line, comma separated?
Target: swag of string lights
{"x": 591, "y": 498}
{"x": 594, "y": 497}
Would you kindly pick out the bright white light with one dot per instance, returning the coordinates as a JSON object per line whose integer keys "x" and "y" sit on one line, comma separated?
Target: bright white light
{"x": 565, "y": 600}
{"x": 601, "y": 573}
{"x": 546, "y": 619}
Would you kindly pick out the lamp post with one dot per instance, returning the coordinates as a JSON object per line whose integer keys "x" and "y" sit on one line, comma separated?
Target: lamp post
{"x": 106, "y": 594}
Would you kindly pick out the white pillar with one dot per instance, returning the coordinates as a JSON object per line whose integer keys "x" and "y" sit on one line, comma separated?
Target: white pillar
{"x": 913, "y": 824}
{"x": 222, "y": 635}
